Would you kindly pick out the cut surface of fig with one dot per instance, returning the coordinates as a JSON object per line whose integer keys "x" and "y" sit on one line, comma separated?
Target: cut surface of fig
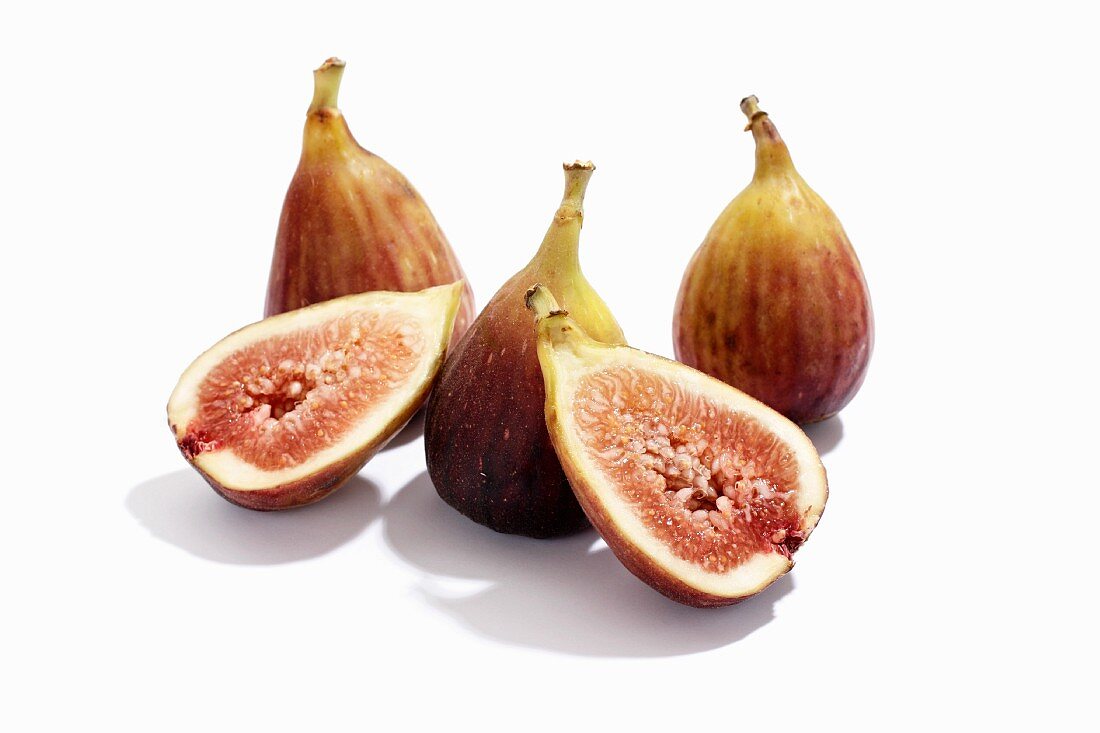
{"x": 710, "y": 481}
{"x": 700, "y": 490}
{"x": 283, "y": 411}
{"x": 278, "y": 402}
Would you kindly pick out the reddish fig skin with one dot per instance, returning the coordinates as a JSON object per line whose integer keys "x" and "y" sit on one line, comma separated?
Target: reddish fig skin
{"x": 351, "y": 223}
{"x": 488, "y": 452}
{"x": 774, "y": 302}
{"x": 306, "y": 490}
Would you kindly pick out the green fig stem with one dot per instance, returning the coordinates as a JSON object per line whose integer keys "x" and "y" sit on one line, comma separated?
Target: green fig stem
{"x": 542, "y": 303}
{"x": 772, "y": 155}
{"x": 558, "y": 252}
{"x": 326, "y": 84}
{"x": 577, "y": 175}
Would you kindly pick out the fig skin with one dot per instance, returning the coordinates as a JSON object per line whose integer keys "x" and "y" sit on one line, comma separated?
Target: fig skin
{"x": 351, "y": 222}
{"x": 774, "y": 302}
{"x": 487, "y": 449}
{"x": 564, "y": 349}
{"x": 306, "y": 490}
{"x": 442, "y": 302}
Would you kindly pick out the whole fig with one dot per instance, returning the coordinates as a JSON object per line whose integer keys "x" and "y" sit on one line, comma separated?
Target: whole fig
{"x": 774, "y": 301}
{"x": 488, "y": 451}
{"x": 351, "y": 223}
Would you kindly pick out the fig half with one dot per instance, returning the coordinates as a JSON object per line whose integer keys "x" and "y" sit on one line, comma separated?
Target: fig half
{"x": 701, "y": 491}
{"x": 282, "y": 412}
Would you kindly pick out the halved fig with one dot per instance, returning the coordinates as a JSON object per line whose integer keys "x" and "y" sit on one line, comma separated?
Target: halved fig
{"x": 700, "y": 490}
{"x": 281, "y": 413}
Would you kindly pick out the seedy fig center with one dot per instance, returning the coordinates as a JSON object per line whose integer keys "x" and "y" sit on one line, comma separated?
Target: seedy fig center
{"x": 714, "y": 485}
{"x": 277, "y": 402}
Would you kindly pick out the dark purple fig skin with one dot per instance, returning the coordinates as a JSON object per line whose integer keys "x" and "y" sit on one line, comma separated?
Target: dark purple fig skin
{"x": 488, "y": 450}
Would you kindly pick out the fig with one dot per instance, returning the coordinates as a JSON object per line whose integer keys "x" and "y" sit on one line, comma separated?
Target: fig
{"x": 282, "y": 412}
{"x": 700, "y": 490}
{"x": 774, "y": 301}
{"x": 488, "y": 452}
{"x": 351, "y": 223}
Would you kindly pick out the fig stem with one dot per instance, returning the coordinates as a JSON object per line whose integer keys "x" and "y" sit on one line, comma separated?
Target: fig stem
{"x": 326, "y": 84}
{"x": 577, "y": 175}
{"x": 558, "y": 252}
{"x": 771, "y": 152}
{"x": 542, "y": 303}
{"x": 750, "y": 105}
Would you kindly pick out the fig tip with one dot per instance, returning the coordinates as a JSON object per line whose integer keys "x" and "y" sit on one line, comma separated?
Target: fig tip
{"x": 330, "y": 62}
{"x": 750, "y": 105}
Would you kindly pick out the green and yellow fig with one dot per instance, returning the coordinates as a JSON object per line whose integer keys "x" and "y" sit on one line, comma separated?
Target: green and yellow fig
{"x": 351, "y": 223}
{"x": 774, "y": 301}
{"x": 488, "y": 451}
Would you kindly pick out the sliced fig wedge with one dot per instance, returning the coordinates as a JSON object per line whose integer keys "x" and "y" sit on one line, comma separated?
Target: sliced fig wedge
{"x": 282, "y": 412}
{"x": 700, "y": 490}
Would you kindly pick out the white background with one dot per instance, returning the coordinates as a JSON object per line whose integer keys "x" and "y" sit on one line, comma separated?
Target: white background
{"x": 145, "y": 155}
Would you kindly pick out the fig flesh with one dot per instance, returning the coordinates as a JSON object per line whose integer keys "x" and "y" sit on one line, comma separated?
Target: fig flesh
{"x": 282, "y": 412}
{"x": 351, "y": 223}
{"x": 774, "y": 301}
{"x": 488, "y": 452}
{"x": 701, "y": 491}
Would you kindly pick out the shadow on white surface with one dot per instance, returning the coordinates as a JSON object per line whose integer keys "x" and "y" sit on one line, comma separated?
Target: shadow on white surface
{"x": 569, "y": 595}
{"x": 826, "y": 434}
{"x": 413, "y": 430}
{"x": 181, "y": 509}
